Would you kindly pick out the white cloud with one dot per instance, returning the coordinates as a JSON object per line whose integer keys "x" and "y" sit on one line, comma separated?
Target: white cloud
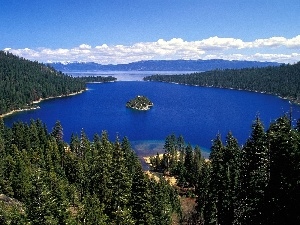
{"x": 274, "y": 42}
{"x": 270, "y": 42}
{"x": 216, "y": 43}
{"x": 294, "y": 42}
{"x": 279, "y": 49}
{"x": 85, "y": 46}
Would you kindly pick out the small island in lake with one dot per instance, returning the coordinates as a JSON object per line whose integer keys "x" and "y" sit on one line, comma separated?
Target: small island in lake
{"x": 139, "y": 103}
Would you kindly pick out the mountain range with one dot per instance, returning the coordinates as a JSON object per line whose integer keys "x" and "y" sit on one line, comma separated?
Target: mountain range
{"x": 162, "y": 65}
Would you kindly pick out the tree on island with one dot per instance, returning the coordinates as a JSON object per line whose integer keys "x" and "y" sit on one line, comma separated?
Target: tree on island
{"x": 139, "y": 103}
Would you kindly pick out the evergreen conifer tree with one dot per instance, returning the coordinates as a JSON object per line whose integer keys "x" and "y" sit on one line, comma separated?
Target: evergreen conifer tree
{"x": 41, "y": 206}
{"x": 92, "y": 211}
{"x": 121, "y": 186}
{"x": 188, "y": 164}
{"x": 282, "y": 193}
{"x": 57, "y": 132}
{"x": 216, "y": 186}
{"x": 254, "y": 176}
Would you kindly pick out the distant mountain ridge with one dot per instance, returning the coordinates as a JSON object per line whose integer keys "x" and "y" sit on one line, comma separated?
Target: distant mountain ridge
{"x": 162, "y": 65}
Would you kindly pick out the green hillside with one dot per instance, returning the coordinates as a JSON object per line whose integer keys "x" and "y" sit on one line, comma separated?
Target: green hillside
{"x": 283, "y": 81}
{"x": 44, "y": 180}
{"x": 24, "y": 81}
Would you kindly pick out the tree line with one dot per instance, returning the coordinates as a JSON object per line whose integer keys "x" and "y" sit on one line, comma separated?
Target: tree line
{"x": 283, "y": 80}
{"x": 24, "y": 81}
{"x": 85, "y": 182}
{"x": 47, "y": 181}
{"x": 256, "y": 183}
{"x": 98, "y": 79}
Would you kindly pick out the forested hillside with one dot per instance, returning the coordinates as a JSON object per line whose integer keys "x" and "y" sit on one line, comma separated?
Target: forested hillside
{"x": 283, "y": 81}
{"x": 24, "y": 81}
{"x": 43, "y": 180}
{"x": 258, "y": 183}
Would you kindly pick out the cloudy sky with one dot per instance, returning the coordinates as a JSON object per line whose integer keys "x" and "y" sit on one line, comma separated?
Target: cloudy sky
{"x": 123, "y": 31}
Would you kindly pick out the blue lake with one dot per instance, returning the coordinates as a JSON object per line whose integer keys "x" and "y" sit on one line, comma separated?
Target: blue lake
{"x": 197, "y": 113}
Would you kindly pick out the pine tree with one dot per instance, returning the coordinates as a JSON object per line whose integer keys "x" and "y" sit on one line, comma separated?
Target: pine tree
{"x": 75, "y": 144}
{"x": 58, "y": 188}
{"x": 34, "y": 136}
{"x": 84, "y": 147}
{"x": 161, "y": 208}
{"x": 205, "y": 207}
{"x": 20, "y": 179}
{"x": 232, "y": 160}
{"x": 92, "y": 211}
{"x": 42, "y": 131}
{"x": 121, "y": 186}
{"x": 57, "y": 132}
{"x": 188, "y": 164}
{"x": 216, "y": 185}
{"x": 254, "y": 176}
{"x": 103, "y": 167}
{"x": 7, "y": 175}
{"x": 129, "y": 157}
{"x": 168, "y": 149}
{"x": 198, "y": 161}
{"x": 141, "y": 197}
{"x": 282, "y": 194}
{"x": 41, "y": 205}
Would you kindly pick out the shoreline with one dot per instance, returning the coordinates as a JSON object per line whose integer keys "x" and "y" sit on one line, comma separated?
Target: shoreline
{"x": 38, "y": 101}
{"x": 290, "y": 99}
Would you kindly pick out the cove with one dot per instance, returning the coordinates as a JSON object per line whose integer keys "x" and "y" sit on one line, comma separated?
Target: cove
{"x": 197, "y": 113}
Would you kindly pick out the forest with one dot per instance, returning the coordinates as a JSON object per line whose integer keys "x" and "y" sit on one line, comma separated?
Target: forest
{"x": 44, "y": 180}
{"x": 254, "y": 183}
{"x": 24, "y": 81}
{"x": 283, "y": 80}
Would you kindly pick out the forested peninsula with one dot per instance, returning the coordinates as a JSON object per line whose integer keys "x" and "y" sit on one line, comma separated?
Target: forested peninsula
{"x": 283, "y": 81}
{"x": 24, "y": 82}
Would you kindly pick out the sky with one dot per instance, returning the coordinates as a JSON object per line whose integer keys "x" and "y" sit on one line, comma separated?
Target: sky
{"x": 124, "y": 31}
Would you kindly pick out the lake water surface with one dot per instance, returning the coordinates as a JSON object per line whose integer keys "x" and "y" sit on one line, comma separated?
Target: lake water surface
{"x": 197, "y": 113}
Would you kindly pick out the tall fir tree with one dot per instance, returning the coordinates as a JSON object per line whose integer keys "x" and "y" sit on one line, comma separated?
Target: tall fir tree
{"x": 57, "y": 132}
{"x": 283, "y": 190}
{"x": 254, "y": 177}
{"x": 232, "y": 159}
{"x": 121, "y": 187}
{"x": 188, "y": 164}
{"x": 216, "y": 185}
{"x": 92, "y": 211}
{"x": 41, "y": 207}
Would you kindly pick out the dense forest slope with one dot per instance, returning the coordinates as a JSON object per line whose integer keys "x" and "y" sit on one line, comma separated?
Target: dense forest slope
{"x": 24, "y": 81}
{"x": 256, "y": 183}
{"x": 163, "y": 65}
{"x": 43, "y": 180}
{"x": 281, "y": 80}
